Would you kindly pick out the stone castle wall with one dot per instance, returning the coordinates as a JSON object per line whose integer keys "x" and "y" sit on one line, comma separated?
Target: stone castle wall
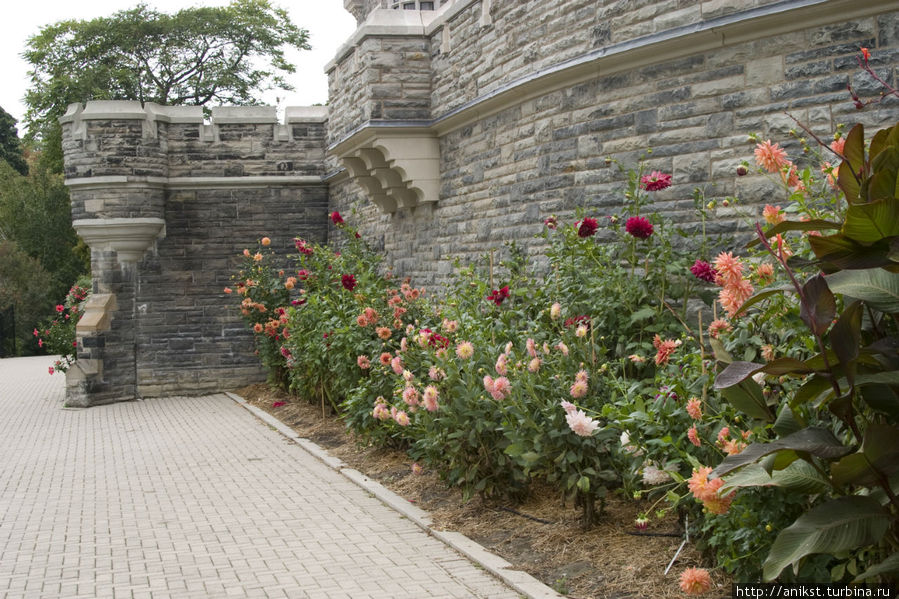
{"x": 448, "y": 133}
{"x": 167, "y": 203}
{"x": 528, "y": 99}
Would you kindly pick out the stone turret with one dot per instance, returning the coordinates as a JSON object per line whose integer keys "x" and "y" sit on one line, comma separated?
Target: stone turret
{"x": 166, "y": 200}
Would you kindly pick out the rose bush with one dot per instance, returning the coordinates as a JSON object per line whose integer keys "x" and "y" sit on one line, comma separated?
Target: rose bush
{"x": 57, "y": 334}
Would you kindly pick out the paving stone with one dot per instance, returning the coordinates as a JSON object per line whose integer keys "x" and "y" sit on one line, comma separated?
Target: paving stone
{"x": 159, "y": 498}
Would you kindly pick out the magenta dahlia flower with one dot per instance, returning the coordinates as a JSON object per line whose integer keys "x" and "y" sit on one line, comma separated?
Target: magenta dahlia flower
{"x": 703, "y": 271}
{"x": 586, "y": 227}
{"x": 639, "y": 227}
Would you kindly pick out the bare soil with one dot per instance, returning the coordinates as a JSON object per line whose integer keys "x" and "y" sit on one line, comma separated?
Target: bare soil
{"x": 542, "y": 535}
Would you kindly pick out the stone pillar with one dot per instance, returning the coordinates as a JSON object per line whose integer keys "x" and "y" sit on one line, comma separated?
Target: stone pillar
{"x": 115, "y": 166}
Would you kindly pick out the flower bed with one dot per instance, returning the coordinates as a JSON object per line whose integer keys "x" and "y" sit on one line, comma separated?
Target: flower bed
{"x": 752, "y": 396}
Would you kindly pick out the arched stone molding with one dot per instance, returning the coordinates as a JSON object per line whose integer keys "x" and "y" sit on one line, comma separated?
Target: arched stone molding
{"x": 398, "y": 167}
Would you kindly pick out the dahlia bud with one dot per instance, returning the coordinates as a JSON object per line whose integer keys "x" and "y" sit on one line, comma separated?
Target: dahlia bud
{"x": 741, "y": 171}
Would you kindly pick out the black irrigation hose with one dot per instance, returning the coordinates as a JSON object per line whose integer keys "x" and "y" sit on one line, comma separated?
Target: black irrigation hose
{"x": 517, "y": 513}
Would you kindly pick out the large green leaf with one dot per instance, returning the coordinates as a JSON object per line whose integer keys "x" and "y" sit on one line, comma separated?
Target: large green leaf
{"x": 846, "y": 334}
{"x": 739, "y": 371}
{"x": 736, "y": 372}
{"x": 882, "y": 398}
{"x": 811, "y": 389}
{"x": 788, "y": 422}
{"x": 818, "y": 306}
{"x": 816, "y": 441}
{"x": 800, "y": 476}
{"x": 882, "y": 185}
{"x": 849, "y": 177}
{"x": 877, "y": 461}
{"x": 796, "y": 225}
{"x": 888, "y": 566}
{"x": 876, "y": 287}
{"x": 840, "y": 252}
{"x": 843, "y": 524}
{"x": 763, "y": 295}
{"x": 746, "y": 396}
{"x": 867, "y": 223}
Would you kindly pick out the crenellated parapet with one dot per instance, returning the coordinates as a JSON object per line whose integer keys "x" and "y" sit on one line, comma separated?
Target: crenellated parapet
{"x": 165, "y": 198}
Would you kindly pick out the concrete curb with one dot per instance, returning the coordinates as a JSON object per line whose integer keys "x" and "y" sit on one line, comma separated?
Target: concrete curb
{"x": 522, "y": 582}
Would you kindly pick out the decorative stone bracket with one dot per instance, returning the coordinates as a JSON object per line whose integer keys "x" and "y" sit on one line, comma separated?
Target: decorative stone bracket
{"x": 399, "y": 167}
{"x": 96, "y": 317}
{"x": 129, "y": 237}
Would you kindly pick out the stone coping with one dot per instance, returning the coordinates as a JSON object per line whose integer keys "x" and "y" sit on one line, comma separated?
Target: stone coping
{"x": 95, "y": 110}
{"x": 140, "y": 182}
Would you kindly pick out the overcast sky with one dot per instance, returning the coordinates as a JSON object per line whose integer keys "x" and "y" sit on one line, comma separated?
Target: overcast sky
{"x": 328, "y": 23}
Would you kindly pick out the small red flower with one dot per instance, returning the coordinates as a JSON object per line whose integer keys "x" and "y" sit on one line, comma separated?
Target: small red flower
{"x": 36, "y": 333}
{"x": 50, "y": 370}
{"x": 866, "y": 54}
{"x": 586, "y": 227}
{"x": 578, "y": 320}
{"x": 655, "y": 181}
{"x": 550, "y": 222}
{"x": 40, "y": 342}
{"x": 278, "y": 404}
{"x": 639, "y": 227}
{"x": 499, "y": 295}
{"x": 348, "y": 282}
{"x": 336, "y": 218}
{"x": 60, "y": 308}
{"x": 438, "y": 340}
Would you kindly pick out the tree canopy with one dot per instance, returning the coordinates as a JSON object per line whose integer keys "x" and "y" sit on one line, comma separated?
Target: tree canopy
{"x": 10, "y": 146}
{"x": 195, "y": 56}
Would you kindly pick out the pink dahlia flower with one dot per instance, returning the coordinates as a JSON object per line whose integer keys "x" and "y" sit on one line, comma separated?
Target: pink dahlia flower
{"x": 655, "y": 181}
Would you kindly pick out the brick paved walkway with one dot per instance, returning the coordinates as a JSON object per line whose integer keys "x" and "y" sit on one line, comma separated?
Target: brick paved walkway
{"x": 192, "y": 497}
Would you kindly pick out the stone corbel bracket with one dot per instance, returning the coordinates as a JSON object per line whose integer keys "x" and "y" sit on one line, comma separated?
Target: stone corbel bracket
{"x": 129, "y": 237}
{"x": 96, "y": 317}
{"x": 399, "y": 167}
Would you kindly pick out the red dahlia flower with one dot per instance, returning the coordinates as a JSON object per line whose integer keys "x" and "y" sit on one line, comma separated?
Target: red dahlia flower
{"x": 499, "y": 295}
{"x": 655, "y": 181}
{"x": 639, "y": 227}
{"x": 336, "y": 218}
{"x": 586, "y": 227}
{"x": 704, "y": 271}
{"x": 348, "y": 282}
{"x": 577, "y": 321}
